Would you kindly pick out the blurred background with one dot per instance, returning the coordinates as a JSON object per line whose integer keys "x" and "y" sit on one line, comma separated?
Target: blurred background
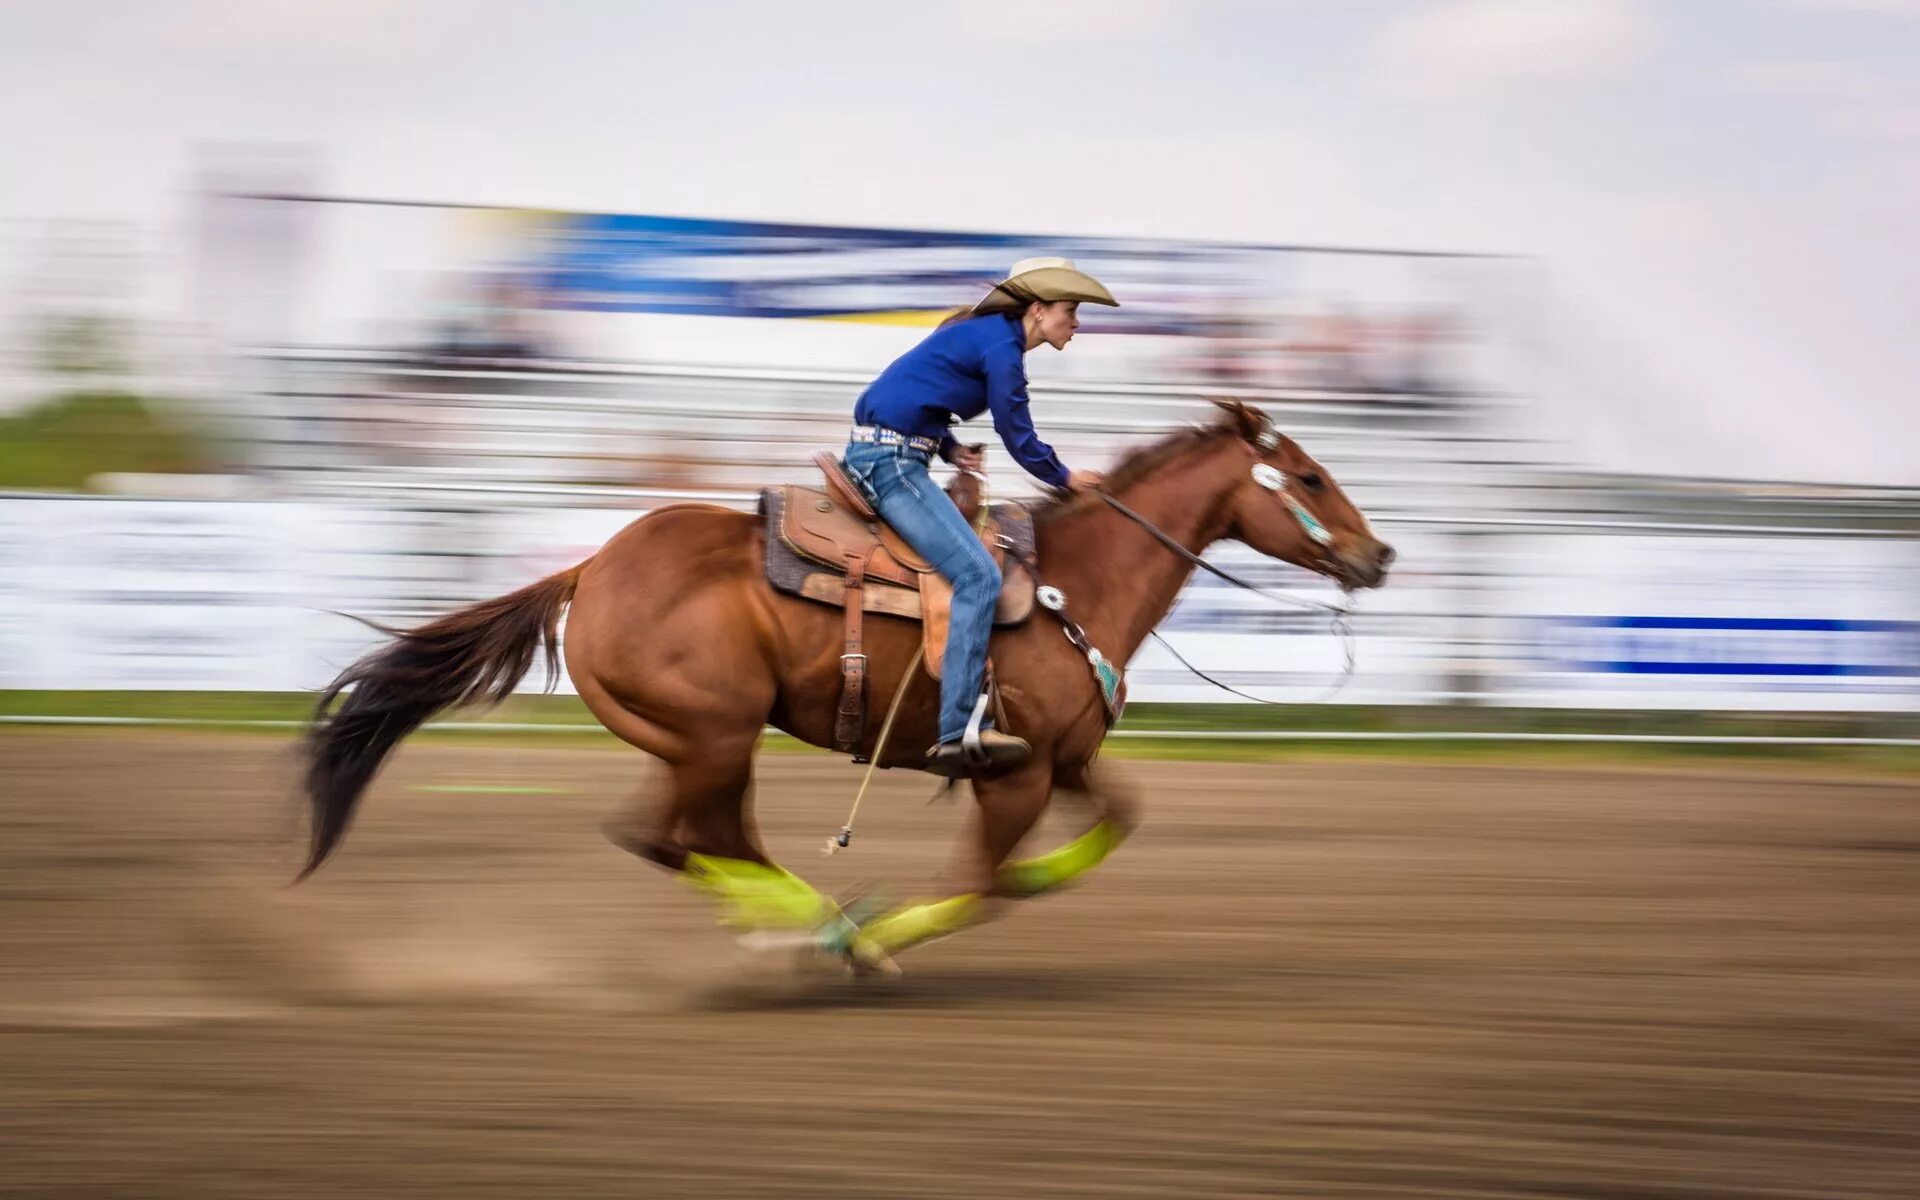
{"x": 1600, "y": 312}
{"x": 1601, "y": 309}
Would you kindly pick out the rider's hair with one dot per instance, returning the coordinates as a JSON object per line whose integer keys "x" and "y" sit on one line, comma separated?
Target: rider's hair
{"x": 967, "y": 314}
{"x": 958, "y": 315}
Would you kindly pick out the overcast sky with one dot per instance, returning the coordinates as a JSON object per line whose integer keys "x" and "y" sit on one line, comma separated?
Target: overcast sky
{"x": 1724, "y": 192}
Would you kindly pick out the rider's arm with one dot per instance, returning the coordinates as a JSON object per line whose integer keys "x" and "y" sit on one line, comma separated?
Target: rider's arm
{"x": 1007, "y": 400}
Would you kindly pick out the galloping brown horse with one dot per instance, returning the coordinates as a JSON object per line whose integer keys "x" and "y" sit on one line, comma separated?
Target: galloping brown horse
{"x": 679, "y": 645}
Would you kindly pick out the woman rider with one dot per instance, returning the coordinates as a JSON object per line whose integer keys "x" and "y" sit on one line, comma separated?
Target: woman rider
{"x": 973, "y": 363}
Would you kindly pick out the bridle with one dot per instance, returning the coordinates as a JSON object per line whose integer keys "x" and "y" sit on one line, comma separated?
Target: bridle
{"x": 1274, "y": 480}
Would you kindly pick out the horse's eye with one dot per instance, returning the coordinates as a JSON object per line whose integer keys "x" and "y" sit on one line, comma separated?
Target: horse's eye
{"x": 1312, "y": 481}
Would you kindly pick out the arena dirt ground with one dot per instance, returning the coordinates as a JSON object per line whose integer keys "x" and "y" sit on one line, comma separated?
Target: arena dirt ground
{"x": 1314, "y": 979}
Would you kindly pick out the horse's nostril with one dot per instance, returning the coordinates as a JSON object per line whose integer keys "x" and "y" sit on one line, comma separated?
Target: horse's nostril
{"x": 1385, "y": 555}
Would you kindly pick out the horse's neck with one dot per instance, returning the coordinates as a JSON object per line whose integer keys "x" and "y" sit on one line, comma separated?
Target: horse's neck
{"x": 1119, "y": 579}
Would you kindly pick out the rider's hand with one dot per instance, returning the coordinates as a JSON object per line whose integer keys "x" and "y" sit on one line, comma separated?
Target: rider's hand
{"x": 1083, "y": 481}
{"x": 969, "y": 458}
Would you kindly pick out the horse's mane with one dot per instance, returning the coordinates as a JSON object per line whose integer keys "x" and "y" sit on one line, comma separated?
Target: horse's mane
{"x": 1136, "y": 465}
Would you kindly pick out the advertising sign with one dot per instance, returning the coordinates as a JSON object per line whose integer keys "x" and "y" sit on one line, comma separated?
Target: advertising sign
{"x": 1716, "y": 622}
{"x": 703, "y": 267}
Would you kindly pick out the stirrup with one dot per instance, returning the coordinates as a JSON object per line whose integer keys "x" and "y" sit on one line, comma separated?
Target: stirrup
{"x": 992, "y": 751}
{"x": 980, "y": 748}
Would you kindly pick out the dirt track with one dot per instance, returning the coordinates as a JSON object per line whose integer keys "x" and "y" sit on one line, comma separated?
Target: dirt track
{"x": 1317, "y": 980}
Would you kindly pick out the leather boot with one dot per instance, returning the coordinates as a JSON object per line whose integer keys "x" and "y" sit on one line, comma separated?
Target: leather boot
{"x": 997, "y": 752}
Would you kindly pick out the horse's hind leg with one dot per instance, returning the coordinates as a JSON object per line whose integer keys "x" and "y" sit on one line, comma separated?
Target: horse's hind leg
{"x": 702, "y": 828}
{"x": 697, "y": 807}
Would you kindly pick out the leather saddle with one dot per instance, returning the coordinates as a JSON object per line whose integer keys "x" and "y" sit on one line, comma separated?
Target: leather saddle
{"x": 827, "y": 545}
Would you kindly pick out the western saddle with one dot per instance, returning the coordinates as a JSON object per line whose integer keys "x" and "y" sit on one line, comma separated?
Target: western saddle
{"x": 829, "y": 546}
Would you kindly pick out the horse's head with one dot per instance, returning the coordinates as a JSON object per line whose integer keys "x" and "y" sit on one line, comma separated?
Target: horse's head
{"x": 1286, "y": 506}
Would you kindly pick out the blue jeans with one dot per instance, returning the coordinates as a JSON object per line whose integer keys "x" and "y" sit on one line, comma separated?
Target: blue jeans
{"x": 904, "y": 495}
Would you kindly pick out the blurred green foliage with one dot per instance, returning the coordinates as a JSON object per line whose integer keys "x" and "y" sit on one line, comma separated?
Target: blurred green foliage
{"x": 59, "y": 445}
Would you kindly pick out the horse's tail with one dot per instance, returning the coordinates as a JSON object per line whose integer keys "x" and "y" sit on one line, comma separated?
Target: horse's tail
{"x": 478, "y": 653}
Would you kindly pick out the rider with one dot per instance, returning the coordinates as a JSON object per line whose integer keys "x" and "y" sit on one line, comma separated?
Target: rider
{"x": 973, "y": 363}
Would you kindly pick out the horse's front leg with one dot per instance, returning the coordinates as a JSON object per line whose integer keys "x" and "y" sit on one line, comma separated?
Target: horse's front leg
{"x": 1115, "y": 808}
{"x": 1008, "y": 807}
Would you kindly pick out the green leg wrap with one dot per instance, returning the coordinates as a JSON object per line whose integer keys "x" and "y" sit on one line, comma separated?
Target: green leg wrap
{"x": 1030, "y": 877}
{"x": 756, "y": 896}
{"x": 916, "y": 923}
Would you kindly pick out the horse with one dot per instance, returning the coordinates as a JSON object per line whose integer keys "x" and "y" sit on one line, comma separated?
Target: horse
{"x": 678, "y": 644}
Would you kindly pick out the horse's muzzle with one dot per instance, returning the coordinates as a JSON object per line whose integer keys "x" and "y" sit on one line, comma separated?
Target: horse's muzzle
{"x": 1365, "y": 566}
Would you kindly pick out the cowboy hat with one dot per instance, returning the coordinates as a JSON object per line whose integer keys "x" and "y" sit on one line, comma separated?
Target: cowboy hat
{"x": 1044, "y": 279}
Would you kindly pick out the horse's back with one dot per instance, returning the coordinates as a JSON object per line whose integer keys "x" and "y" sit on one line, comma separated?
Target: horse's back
{"x": 679, "y": 596}
{"x": 670, "y": 558}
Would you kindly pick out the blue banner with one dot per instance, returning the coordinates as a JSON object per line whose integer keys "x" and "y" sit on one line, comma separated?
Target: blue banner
{"x": 685, "y": 265}
{"x": 1747, "y": 646}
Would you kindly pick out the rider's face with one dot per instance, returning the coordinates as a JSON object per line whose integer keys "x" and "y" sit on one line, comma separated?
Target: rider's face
{"x": 1054, "y": 323}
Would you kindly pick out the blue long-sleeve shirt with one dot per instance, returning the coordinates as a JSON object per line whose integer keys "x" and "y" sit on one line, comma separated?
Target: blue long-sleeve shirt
{"x": 959, "y": 372}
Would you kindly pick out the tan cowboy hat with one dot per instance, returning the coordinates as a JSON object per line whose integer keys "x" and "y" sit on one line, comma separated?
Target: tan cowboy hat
{"x": 1045, "y": 279}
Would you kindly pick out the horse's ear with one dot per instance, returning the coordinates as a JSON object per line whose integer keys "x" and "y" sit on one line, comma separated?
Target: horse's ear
{"x": 1248, "y": 423}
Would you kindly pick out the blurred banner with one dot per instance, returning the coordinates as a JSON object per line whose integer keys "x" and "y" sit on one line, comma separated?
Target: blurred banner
{"x": 110, "y": 593}
{"x": 897, "y": 276}
{"x": 1612, "y": 620}
{"x": 168, "y": 594}
{"x": 308, "y": 270}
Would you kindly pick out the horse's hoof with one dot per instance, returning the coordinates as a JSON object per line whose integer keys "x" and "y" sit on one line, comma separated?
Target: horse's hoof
{"x": 845, "y": 916}
{"x": 868, "y": 961}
